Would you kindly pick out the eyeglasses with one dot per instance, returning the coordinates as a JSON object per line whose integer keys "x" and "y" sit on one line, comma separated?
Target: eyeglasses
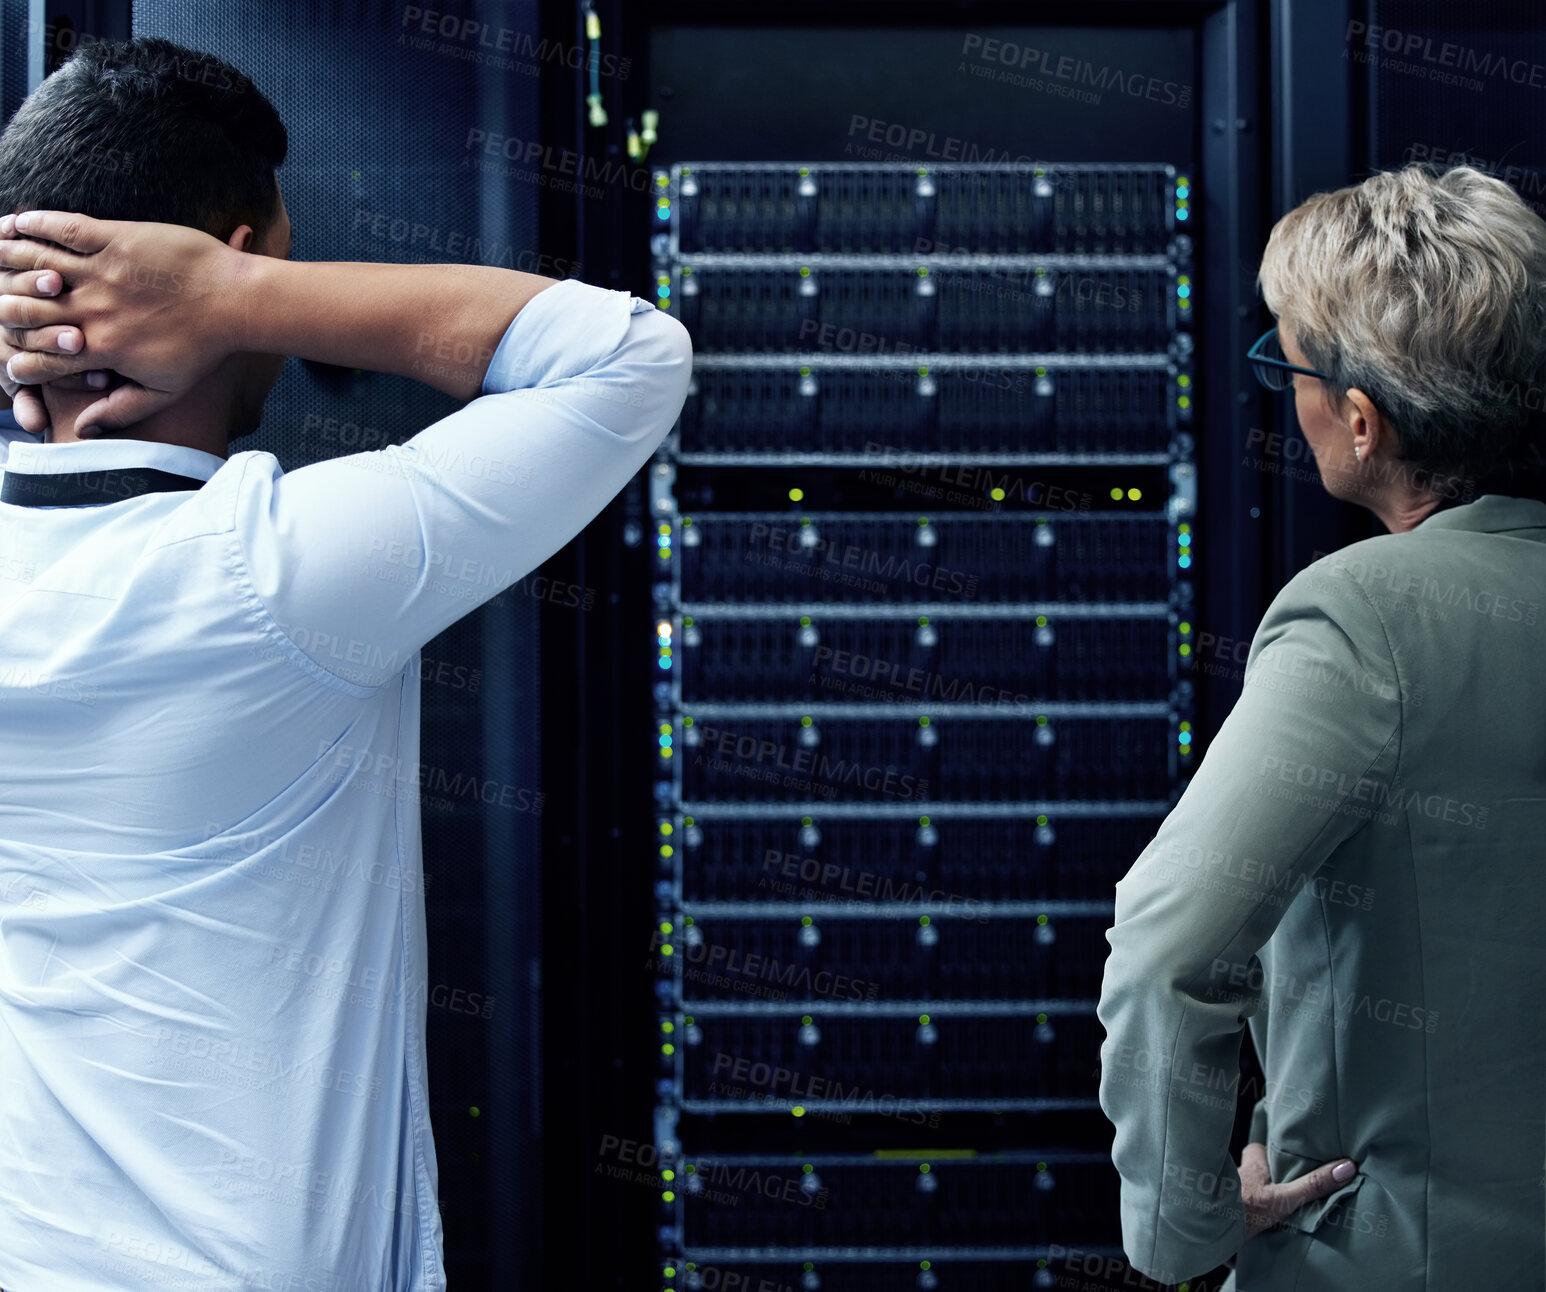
{"x": 1271, "y": 368}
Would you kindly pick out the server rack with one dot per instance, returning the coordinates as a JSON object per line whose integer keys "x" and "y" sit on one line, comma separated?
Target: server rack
{"x": 914, "y": 719}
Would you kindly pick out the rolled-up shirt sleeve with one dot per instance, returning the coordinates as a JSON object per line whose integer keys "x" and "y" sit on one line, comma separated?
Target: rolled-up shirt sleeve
{"x": 1259, "y": 818}
{"x": 362, "y": 559}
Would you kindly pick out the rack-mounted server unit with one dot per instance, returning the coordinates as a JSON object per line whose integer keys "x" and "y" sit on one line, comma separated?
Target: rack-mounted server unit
{"x": 923, "y": 542}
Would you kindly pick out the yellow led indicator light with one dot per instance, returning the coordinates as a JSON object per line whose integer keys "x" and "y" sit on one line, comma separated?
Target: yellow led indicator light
{"x": 668, "y": 1048}
{"x": 668, "y": 1026}
{"x": 665, "y": 826}
{"x": 997, "y": 495}
{"x": 796, "y": 494}
{"x": 668, "y": 1196}
{"x": 666, "y": 949}
{"x": 1184, "y": 381}
{"x": 1185, "y": 629}
{"x": 667, "y": 850}
{"x": 1185, "y": 649}
{"x": 669, "y": 1271}
{"x": 665, "y": 928}
{"x": 668, "y": 1175}
{"x": 1134, "y": 494}
{"x": 797, "y": 1111}
{"x": 1184, "y": 402}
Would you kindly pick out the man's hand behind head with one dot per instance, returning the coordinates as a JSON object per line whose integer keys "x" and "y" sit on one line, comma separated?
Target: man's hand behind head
{"x": 152, "y": 302}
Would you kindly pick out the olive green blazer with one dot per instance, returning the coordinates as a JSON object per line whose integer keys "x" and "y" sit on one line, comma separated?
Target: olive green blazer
{"x": 1357, "y": 872}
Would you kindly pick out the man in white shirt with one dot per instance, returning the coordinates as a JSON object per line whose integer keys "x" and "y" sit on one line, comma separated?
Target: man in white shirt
{"x": 212, "y": 937}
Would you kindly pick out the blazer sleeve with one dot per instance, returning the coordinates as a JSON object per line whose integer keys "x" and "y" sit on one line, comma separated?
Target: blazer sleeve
{"x": 1320, "y": 712}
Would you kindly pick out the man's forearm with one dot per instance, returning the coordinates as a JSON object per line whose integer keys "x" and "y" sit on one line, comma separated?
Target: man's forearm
{"x": 438, "y": 324}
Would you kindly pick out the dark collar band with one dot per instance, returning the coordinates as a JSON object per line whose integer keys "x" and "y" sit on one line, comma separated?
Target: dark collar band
{"x": 86, "y": 488}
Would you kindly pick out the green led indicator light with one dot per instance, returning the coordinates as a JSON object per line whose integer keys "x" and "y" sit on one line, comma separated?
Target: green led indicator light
{"x": 475, "y": 1111}
{"x": 1041, "y": 1166}
{"x": 1041, "y": 919}
{"x": 1041, "y": 820}
{"x": 666, "y": 949}
{"x": 805, "y": 722}
{"x": 1041, "y": 1018}
{"x": 797, "y": 1111}
{"x": 668, "y": 1196}
{"x": 924, "y": 1019}
{"x": 1041, "y": 720}
{"x": 923, "y": 722}
{"x": 923, "y": 820}
{"x": 805, "y": 921}
{"x": 668, "y": 1027}
{"x": 807, "y": 1169}
{"x": 998, "y": 495}
{"x": 1116, "y": 495}
{"x": 805, "y": 622}
{"x": 668, "y": 1175}
{"x": 923, "y": 1167}
{"x": 805, "y": 820}
{"x": 805, "y": 1020}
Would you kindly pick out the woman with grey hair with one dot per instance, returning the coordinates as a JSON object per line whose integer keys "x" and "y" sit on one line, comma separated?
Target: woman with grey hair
{"x": 1357, "y": 870}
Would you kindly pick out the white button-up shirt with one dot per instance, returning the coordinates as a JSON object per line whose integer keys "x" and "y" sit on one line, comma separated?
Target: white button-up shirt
{"x": 212, "y": 940}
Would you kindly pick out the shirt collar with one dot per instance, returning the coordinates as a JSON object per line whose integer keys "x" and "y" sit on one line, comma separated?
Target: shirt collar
{"x": 29, "y": 458}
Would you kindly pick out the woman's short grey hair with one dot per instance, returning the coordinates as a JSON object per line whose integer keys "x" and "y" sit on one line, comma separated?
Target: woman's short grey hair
{"x": 1425, "y": 289}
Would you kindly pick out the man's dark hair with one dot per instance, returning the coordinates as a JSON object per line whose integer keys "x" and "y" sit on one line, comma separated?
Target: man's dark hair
{"x": 146, "y": 130}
